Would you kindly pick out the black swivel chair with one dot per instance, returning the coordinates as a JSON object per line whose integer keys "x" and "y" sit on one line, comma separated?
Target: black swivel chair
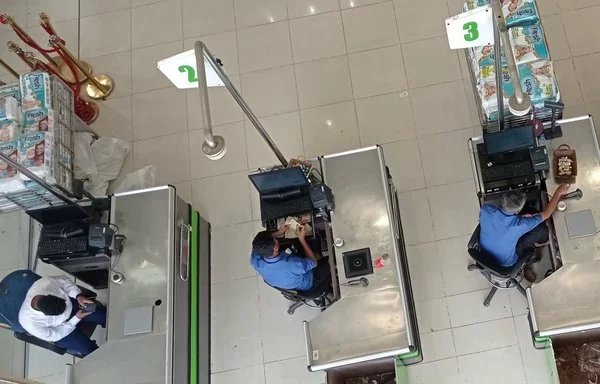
{"x": 500, "y": 277}
{"x": 318, "y": 295}
{"x": 13, "y": 289}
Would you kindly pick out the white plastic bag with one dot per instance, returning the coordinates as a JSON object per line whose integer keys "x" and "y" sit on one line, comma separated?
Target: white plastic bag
{"x": 140, "y": 179}
{"x": 84, "y": 164}
{"x": 96, "y": 185}
{"x": 109, "y": 155}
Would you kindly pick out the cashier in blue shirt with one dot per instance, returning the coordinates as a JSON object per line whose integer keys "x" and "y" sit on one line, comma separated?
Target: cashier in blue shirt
{"x": 507, "y": 235}
{"x": 287, "y": 269}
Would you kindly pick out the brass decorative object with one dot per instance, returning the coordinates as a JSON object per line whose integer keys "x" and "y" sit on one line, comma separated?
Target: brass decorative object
{"x": 63, "y": 68}
{"x": 99, "y": 86}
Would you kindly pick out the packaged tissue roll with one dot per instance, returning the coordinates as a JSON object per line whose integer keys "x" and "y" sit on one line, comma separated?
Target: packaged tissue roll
{"x": 529, "y": 44}
{"x": 35, "y": 91}
{"x": 36, "y": 153}
{"x": 520, "y": 12}
{"x": 9, "y": 108}
{"x": 9, "y": 131}
{"x": 9, "y": 180}
{"x": 11, "y": 90}
{"x": 38, "y": 120}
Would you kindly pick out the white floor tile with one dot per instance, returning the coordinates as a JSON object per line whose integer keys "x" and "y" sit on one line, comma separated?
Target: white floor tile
{"x": 228, "y": 353}
{"x": 581, "y": 34}
{"x": 286, "y": 132}
{"x": 235, "y": 159}
{"x": 329, "y": 129}
{"x": 147, "y": 76}
{"x": 455, "y": 259}
{"x": 497, "y": 366}
{"x": 159, "y": 113}
{"x": 224, "y": 199}
{"x": 256, "y": 12}
{"x": 45, "y": 363}
{"x": 415, "y": 214}
{"x": 307, "y": 36}
{"x": 556, "y": 37}
{"x": 584, "y": 66}
{"x": 485, "y": 336}
{"x": 425, "y": 273}
{"x": 370, "y": 27}
{"x": 95, "y": 7}
{"x": 518, "y": 302}
{"x": 439, "y": 372}
{"x": 156, "y": 24}
{"x": 568, "y": 84}
{"x": 170, "y": 154}
{"x": 345, "y": 4}
{"x": 404, "y": 161}
{"x": 468, "y": 308}
{"x": 52, "y": 379}
{"x": 18, "y": 10}
{"x": 292, "y": 372}
{"x": 264, "y": 46}
{"x": 97, "y": 40}
{"x": 377, "y": 71}
{"x": 271, "y": 91}
{"x": 539, "y": 364}
{"x": 446, "y": 157}
{"x": 10, "y": 224}
{"x": 432, "y": 315}
{"x": 249, "y": 375}
{"x": 230, "y": 257}
{"x": 437, "y": 345}
{"x": 58, "y": 10}
{"x": 418, "y": 20}
{"x": 7, "y": 353}
{"x": 384, "y": 119}
{"x": 207, "y": 17}
{"x": 235, "y": 308}
{"x": 300, "y": 8}
{"x": 323, "y": 82}
{"x": 430, "y": 62}
{"x": 454, "y": 209}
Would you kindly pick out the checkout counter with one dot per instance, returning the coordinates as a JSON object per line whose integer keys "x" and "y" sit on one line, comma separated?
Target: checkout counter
{"x": 565, "y": 303}
{"x": 374, "y": 323}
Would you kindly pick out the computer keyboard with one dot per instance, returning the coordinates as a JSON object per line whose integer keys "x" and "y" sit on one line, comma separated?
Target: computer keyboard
{"x": 285, "y": 208}
{"x": 62, "y": 246}
{"x": 506, "y": 171}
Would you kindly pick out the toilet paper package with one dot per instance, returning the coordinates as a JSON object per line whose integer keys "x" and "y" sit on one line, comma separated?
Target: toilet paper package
{"x": 9, "y": 180}
{"x": 9, "y": 131}
{"x": 36, "y": 154}
{"x": 12, "y": 90}
{"x": 529, "y": 44}
{"x": 516, "y": 12}
{"x": 9, "y": 108}
{"x": 38, "y": 120}
{"x": 35, "y": 91}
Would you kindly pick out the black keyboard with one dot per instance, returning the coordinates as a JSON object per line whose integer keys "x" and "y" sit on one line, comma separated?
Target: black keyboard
{"x": 506, "y": 171}
{"x": 275, "y": 210}
{"x": 66, "y": 246}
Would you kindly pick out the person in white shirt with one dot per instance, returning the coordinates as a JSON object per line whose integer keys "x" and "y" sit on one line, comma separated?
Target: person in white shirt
{"x": 52, "y": 312}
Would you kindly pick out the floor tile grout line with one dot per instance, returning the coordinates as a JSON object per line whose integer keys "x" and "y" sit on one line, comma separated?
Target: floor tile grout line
{"x": 520, "y": 350}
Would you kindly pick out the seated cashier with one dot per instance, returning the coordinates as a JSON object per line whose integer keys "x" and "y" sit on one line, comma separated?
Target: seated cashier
{"x": 507, "y": 233}
{"x": 288, "y": 269}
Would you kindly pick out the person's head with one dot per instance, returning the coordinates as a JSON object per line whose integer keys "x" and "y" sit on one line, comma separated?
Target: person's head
{"x": 513, "y": 202}
{"x": 43, "y": 124}
{"x": 39, "y": 148}
{"x": 265, "y": 245}
{"x": 49, "y": 305}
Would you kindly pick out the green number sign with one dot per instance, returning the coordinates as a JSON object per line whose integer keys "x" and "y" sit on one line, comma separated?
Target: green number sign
{"x": 472, "y": 31}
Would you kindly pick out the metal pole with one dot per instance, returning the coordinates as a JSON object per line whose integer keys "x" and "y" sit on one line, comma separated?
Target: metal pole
{"x": 200, "y": 47}
{"x": 9, "y": 68}
{"x": 520, "y": 103}
{"x": 499, "y": 74}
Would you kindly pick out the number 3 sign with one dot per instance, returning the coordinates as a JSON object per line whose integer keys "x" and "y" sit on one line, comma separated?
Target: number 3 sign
{"x": 471, "y": 29}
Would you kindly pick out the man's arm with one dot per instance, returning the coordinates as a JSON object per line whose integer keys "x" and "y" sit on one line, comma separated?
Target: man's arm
{"x": 551, "y": 207}
{"x": 67, "y": 285}
{"x": 52, "y": 334}
{"x": 307, "y": 249}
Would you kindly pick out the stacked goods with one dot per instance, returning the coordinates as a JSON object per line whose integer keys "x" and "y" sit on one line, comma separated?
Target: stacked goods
{"x": 528, "y": 44}
{"x": 35, "y": 131}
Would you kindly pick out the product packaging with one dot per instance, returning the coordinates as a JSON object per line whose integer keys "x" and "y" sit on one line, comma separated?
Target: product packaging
{"x": 9, "y": 109}
{"x": 35, "y": 91}
{"x": 9, "y": 131}
{"x": 9, "y": 180}
{"x": 36, "y": 154}
{"x": 11, "y": 90}
{"x": 539, "y": 81}
{"x": 528, "y": 44}
{"x": 38, "y": 120}
{"x": 520, "y": 12}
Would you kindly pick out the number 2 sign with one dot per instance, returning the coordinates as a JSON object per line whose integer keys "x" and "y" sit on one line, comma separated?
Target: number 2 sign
{"x": 471, "y": 29}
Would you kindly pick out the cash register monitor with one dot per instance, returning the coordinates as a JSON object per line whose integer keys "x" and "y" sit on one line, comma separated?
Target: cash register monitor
{"x": 279, "y": 180}
{"x": 508, "y": 140}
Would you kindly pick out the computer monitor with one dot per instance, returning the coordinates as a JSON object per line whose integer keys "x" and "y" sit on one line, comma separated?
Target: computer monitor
{"x": 279, "y": 179}
{"x": 510, "y": 139}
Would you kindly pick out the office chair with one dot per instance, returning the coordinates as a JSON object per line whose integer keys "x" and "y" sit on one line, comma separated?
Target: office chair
{"x": 13, "y": 289}
{"x": 318, "y": 295}
{"x": 500, "y": 277}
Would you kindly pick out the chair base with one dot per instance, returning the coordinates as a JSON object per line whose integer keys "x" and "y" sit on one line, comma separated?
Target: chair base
{"x": 322, "y": 302}
{"x": 508, "y": 284}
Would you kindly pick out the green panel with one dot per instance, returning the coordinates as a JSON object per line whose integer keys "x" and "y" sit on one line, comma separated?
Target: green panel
{"x": 401, "y": 372}
{"x": 194, "y": 309}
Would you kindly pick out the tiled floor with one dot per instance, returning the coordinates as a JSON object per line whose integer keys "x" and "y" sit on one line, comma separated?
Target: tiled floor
{"x": 323, "y": 76}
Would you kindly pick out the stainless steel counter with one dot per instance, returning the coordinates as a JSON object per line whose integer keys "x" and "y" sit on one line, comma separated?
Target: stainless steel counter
{"x": 376, "y": 321}
{"x": 567, "y": 301}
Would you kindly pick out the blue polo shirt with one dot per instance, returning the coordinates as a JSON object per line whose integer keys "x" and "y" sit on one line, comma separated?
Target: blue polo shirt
{"x": 501, "y": 231}
{"x": 286, "y": 271}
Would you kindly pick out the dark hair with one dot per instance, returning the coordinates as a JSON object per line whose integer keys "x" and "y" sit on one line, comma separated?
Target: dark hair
{"x": 51, "y": 305}
{"x": 263, "y": 244}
